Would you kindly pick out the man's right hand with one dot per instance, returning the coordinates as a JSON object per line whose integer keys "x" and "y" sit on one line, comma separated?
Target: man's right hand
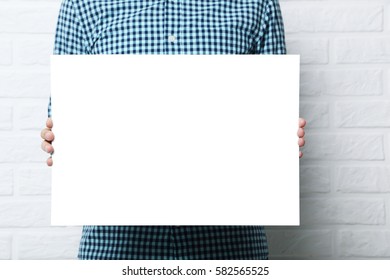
{"x": 48, "y": 136}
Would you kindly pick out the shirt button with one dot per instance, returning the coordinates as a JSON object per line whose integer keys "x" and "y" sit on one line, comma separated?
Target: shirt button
{"x": 171, "y": 38}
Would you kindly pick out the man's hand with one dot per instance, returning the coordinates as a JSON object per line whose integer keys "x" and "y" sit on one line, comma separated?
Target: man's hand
{"x": 301, "y": 134}
{"x": 48, "y": 136}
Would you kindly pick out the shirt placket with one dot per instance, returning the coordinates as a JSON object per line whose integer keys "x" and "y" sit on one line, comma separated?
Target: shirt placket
{"x": 173, "y": 16}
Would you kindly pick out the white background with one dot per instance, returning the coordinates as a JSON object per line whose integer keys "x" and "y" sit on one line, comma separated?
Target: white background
{"x": 192, "y": 146}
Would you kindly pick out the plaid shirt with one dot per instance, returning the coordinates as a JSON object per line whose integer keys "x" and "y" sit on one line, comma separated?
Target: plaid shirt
{"x": 170, "y": 27}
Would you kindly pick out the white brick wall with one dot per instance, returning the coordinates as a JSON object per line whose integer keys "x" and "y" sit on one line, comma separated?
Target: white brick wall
{"x": 26, "y": 42}
{"x": 345, "y": 173}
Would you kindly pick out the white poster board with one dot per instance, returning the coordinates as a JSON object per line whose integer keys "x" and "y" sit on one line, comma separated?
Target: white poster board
{"x": 175, "y": 139}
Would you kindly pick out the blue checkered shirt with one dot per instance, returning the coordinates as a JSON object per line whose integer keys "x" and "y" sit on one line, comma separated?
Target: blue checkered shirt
{"x": 170, "y": 27}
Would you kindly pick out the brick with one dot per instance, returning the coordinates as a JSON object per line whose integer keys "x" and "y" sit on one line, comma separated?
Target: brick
{"x": 363, "y": 114}
{"x": 24, "y": 84}
{"x": 320, "y": 17}
{"x": 5, "y": 52}
{"x": 299, "y": 244}
{"x": 32, "y": 117}
{"x": 24, "y": 213}
{"x": 28, "y": 17}
{"x": 6, "y": 117}
{"x": 47, "y": 245}
{"x": 6, "y": 181}
{"x": 311, "y": 51}
{"x": 34, "y": 181}
{"x": 367, "y": 179}
{"x": 363, "y": 50}
{"x": 5, "y": 246}
{"x": 364, "y": 243}
{"x": 315, "y": 113}
{"x": 21, "y": 149}
{"x": 348, "y": 82}
{"x": 307, "y": 87}
{"x": 342, "y": 211}
{"x": 314, "y": 179}
{"x": 34, "y": 51}
{"x": 343, "y": 147}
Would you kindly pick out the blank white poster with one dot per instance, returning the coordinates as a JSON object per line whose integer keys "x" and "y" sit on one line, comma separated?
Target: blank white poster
{"x": 175, "y": 139}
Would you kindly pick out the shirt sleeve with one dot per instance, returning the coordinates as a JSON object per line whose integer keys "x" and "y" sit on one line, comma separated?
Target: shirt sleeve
{"x": 69, "y": 35}
{"x": 272, "y": 37}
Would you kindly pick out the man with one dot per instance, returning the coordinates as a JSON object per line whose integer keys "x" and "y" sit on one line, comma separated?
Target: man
{"x": 169, "y": 27}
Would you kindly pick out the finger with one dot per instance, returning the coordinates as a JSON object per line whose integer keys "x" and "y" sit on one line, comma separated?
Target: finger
{"x": 49, "y": 136}
{"x": 302, "y": 122}
{"x": 301, "y": 132}
{"x": 49, "y": 161}
{"x": 301, "y": 142}
{"x": 43, "y": 132}
{"x": 43, "y": 145}
{"x": 47, "y": 147}
{"x": 49, "y": 123}
{"x": 300, "y": 154}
